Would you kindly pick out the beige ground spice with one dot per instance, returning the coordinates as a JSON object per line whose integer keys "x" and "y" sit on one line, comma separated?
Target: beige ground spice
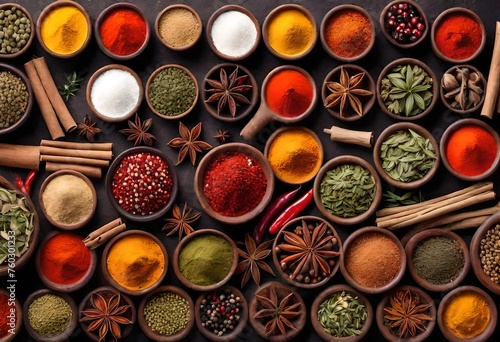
{"x": 178, "y": 27}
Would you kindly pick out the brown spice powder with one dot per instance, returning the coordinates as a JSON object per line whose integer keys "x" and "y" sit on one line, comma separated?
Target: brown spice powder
{"x": 178, "y": 27}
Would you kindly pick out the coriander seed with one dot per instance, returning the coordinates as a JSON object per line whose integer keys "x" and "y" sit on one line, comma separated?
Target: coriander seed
{"x": 167, "y": 313}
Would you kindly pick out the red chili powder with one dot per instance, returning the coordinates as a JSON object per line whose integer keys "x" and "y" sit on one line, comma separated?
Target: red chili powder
{"x": 4, "y": 312}
{"x": 458, "y": 36}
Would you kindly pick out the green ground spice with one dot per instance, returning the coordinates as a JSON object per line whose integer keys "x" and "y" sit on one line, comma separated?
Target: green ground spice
{"x": 15, "y": 30}
{"x": 49, "y": 315}
{"x": 167, "y": 314}
{"x": 13, "y": 99}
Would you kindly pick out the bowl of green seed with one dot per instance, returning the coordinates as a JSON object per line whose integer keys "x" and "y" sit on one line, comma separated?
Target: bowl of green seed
{"x": 16, "y": 30}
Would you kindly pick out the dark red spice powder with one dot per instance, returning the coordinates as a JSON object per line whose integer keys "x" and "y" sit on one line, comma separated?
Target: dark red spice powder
{"x": 458, "y": 36}
{"x": 4, "y": 312}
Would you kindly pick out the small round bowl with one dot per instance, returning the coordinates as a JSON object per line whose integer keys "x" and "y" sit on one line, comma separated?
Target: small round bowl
{"x": 181, "y": 335}
{"x": 448, "y": 101}
{"x": 350, "y": 38}
{"x": 104, "y": 14}
{"x": 242, "y": 109}
{"x": 24, "y": 117}
{"x": 386, "y": 133}
{"x": 418, "y": 238}
{"x": 367, "y": 83}
{"x": 490, "y": 328}
{"x": 338, "y": 161}
{"x": 113, "y": 88}
{"x": 150, "y": 81}
{"x": 53, "y": 7}
{"x": 17, "y": 320}
{"x": 60, "y": 224}
{"x": 326, "y": 294}
{"x": 350, "y": 241}
{"x": 279, "y": 11}
{"x": 434, "y": 89}
{"x": 236, "y": 33}
{"x": 390, "y": 38}
{"x": 290, "y": 227}
{"x": 27, "y": 45}
{"x": 227, "y": 337}
{"x": 177, "y": 28}
{"x": 71, "y": 326}
{"x": 424, "y": 299}
{"x": 109, "y": 184}
{"x": 467, "y": 123}
{"x": 282, "y": 290}
{"x": 185, "y": 241}
{"x": 207, "y": 161}
{"x": 436, "y": 25}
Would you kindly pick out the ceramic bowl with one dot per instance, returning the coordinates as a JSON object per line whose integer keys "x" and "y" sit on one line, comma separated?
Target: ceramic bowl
{"x": 466, "y": 123}
{"x": 424, "y": 299}
{"x": 166, "y": 20}
{"x": 105, "y": 116}
{"x": 69, "y": 329}
{"x": 152, "y": 334}
{"x": 367, "y": 83}
{"x": 434, "y": 89}
{"x": 109, "y": 184}
{"x": 24, "y": 117}
{"x": 53, "y": 221}
{"x": 417, "y": 239}
{"x": 448, "y": 101}
{"x": 47, "y": 11}
{"x": 325, "y": 25}
{"x": 207, "y": 161}
{"x": 31, "y": 27}
{"x": 18, "y": 320}
{"x": 386, "y": 133}
{"x": 236, "y": 35}
{"x": 282, "y": 290}
{"x": 388, "y": 35}
{"x": 338, "y": 161}
{"x": 439, "y": 21}
{"x": 326, "y": 294}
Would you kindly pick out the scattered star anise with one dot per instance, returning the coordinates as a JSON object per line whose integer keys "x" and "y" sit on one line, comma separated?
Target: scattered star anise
{"x": 188, "y": 144}
{"x": 222, "y": 136}
{"x": 228, "y": 92}
{"x": 87, "y": 128}
{"x": 137, "y": 131}
{"x": 181, "y": 220}
{"x": 407, "y": 314}
{"x": 253, "y": 259}
{"x": 346, "y": 92}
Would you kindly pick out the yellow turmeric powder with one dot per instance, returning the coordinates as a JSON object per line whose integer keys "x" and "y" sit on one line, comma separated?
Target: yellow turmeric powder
{"x": 290, "y": 32}
{"x": 467, "y": 315}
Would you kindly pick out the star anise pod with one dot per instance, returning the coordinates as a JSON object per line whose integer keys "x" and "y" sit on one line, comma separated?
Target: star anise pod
{"x": 181, "y": 220}
{"x": 138, "y": 131}
{"x": 228, "y": 92}
{"x": 222, "y": 136}
{"x": 253, "y": 259}
{"x": 407, "y": 313}
{"x": 188, "y": 144}
{"x": 346, "y": 92}
{"x": 106, "y": 315}
{"x": 87, "y": 128}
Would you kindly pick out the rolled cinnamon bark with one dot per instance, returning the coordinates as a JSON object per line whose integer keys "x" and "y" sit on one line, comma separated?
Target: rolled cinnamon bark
{"x": 91, "y": 171}
{"x": 78, "y": 146}
{"x": 75, "y": 160}
{"x": 21, "y": 156}
{"x": 55, "y": 151}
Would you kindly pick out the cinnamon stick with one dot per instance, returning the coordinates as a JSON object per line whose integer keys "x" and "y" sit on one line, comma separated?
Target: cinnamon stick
{"x": 20, "y": 156}
{"x": 77, "y": 145}
{"x": 55, "y": 151}
{"x": 108, "y": 226}
{"x": 99, "y": 240}
{"x": 361, "y": 138}
{"x": 493, "y": 82}
{"x": 75, "y": 160}
{"x": 90, "y": 171}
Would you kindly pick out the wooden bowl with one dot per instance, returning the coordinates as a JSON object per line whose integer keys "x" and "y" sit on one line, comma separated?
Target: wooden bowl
{"x": 114, "y": 88}
{"x": 152, "y": 334}
{"x": 27, "y": 45}
{"x": 431, "y": 233}
{"x": 204, "y": 288}
{"x": 282, "y": 290}
{"x": 448, "y": 102}
{"x": 386, "y": 133}
{"x": 207, "y": 161}
{"x": 162, "y": 19}
{"x": 327, "y": 293}
{"x": 54, "y": 221}
{"x": 338, "y": 161}
{"x": 18, "y": 315}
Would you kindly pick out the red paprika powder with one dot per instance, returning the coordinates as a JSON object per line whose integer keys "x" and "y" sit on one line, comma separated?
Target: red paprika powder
{"x": 458, "y": 36}
{"x": 4, "y": 312}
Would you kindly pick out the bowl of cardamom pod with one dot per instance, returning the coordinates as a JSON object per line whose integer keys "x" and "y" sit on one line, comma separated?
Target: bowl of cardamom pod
{"x": 16, "y": 30}
{"x": 462, "y": 89}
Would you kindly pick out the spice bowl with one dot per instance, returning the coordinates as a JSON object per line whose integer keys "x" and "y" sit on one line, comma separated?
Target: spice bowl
{"x": 178, "y": 27}
{"x": 366, "y": 203}
{"x": 473, "y": 93}
{"x": 26, "y": 25}
{"x": 352, "y": 296}
{"x": 12, "y": 323}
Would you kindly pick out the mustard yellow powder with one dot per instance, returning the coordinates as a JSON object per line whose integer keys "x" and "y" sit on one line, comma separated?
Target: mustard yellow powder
{"x": 290, "y": 32}
{"x": 467, "y": 315}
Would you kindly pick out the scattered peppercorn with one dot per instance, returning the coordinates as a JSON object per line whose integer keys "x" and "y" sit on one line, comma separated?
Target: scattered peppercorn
{"x": 15, "y": 30}
{"x": 13, "y": 99}
{"x": 167, "y": 314}
{"x": 404, "y": 23}
{"x": 489, "y": 254}
{"x": 221, "y": 311}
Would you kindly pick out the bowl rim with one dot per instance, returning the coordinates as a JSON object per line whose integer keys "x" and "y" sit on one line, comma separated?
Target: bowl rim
{"x": 187, "y": 8}
{"x": 19, "y": 316}
{"x": 32, "y": 26}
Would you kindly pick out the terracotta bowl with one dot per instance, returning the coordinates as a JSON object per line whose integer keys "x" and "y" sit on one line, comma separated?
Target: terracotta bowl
{"x": 424, "y": 299}
{"x": 96, "y": 75}
{"x": 434, "y": 89}
{"x": 27, "y": 45}
{"x": 431, "y": 233}
{"x": 338, "y": 161}
{"x": 448, "y": 101}
{"x": 69, "y": 329}
{"x": 327, "y": 293}
{"x": 282, "y": 290}
{"x": 334, "y": 12}
{"x": 181, "y": 335}
{"x": 367, "y": 101}
{"x": 175, "y": 260}
{"x": 19, "y": 316}
{"x": 205, "y": 163}
{"x": 378, "y": 161}
{"x": 171, "y": 22}
{"x": 465, "y": 123}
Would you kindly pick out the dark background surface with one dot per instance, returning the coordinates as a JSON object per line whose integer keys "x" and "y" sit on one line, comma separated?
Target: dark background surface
{"x": 200, "y": 61}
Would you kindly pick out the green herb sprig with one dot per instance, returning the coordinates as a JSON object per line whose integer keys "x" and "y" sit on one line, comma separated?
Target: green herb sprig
{"x": 342, "y": 315}
{"x": 69, "y": 89}
{"x": 393, "y": 200}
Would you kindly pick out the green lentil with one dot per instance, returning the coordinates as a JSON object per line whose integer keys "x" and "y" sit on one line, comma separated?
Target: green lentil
{"x": 167, "y": 314}
{"x": 49, "y": 315}
{"x": 13, "y": 99}
{"x": 15, "y": 30}
{"x": 172, "y": 92}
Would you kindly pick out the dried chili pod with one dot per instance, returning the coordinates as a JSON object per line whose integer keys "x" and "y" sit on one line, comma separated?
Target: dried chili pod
{"x": 291, "y": 212}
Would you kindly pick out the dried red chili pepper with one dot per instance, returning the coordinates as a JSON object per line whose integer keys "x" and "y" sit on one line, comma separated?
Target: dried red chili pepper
{"x": 19, "y": 183}
{"x": 25, "y": 186}
{"x": 291, "y": 212}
